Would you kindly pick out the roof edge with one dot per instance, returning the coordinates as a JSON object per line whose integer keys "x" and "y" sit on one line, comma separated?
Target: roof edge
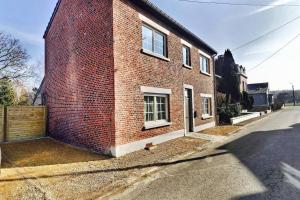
{"x": 52, "y": 18}
{"x": 154, "y": 8}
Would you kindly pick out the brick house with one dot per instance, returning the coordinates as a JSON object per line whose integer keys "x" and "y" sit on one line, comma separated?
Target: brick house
{"x": 120, "y": 74}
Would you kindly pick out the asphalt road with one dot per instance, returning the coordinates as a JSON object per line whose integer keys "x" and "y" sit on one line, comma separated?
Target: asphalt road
{"x": 263, "y": 162}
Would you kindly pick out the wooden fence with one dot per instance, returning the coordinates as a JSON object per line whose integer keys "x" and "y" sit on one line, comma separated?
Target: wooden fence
{"x": 22, "y": 123}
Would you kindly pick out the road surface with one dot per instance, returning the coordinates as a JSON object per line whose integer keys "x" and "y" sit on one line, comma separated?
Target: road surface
{"x": 263, "y": 163}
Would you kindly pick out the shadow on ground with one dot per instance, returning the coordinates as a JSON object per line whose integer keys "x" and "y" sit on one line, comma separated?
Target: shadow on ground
{"x": 274, "y": 158}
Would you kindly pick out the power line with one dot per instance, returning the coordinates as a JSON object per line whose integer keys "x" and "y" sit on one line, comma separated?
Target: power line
{"x": 266, "y": 34}
{"x": 240, "y": 4}
{"x": 276, "y": 52}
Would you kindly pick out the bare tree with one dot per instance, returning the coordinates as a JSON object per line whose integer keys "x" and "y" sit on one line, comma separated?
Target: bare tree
{"x": 13, "y": 59}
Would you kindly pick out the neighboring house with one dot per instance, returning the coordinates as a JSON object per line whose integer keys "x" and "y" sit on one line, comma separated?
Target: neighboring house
{"x": 122, "y": 74}
{"x": 38, "y": 98}
{"x": 241, "y": 72}
{"x": 261, "y": 95}
{"x": 243, "y": 78}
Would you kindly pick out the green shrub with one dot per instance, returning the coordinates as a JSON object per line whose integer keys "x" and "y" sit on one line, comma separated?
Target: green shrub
{"x": 225, "y": 113}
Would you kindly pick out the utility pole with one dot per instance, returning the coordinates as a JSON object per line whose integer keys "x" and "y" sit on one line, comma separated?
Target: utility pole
{"x": 294, "y": 100}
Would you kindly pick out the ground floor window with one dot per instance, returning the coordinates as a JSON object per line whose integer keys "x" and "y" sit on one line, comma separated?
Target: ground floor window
{"x": 155, "y": 108}
{"x": 206, "y": 107}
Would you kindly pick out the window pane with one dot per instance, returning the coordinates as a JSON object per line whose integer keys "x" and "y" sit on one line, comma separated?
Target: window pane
{"x": 159, "y": 44}
{"x": 206, "y": 106}
{"x": 161, "y": 108}
{"x": 184, "y": 55}
{"x": 147, "y": 35}
{"x": 149, "y": 108}
{"x": 204, "y": 62}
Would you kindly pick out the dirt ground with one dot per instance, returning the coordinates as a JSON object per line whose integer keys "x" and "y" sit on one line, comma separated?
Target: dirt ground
{"x": 43, "y": 152}
{"x": 221, "y": 130}
{"x": 82, "y": 175}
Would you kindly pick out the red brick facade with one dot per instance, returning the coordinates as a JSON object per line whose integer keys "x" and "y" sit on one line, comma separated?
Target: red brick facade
{"x": 95, "y": 70}
{"x": 79, "y": 76}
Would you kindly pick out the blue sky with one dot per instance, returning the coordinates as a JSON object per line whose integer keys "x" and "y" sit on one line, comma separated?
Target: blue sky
{"x": 219, "y": 25}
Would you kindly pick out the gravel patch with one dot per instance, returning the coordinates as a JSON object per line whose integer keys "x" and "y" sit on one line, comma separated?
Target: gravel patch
{"x": 91, "y": 179}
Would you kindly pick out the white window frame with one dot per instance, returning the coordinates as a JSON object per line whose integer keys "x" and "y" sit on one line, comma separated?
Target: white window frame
{"x": 189, "y": 65}
{"x": 156, "y": 122}
{"x": 152, "y": 51}
{"x": 154, "y": 24}
{"x": 207, "y": 70}
{"x": 207, "y": 115}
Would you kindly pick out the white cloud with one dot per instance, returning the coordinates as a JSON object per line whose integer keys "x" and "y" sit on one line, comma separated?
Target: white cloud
{"x": 266, "y": 8}
{"x": 256, "y": 11}
{"x": 29, "y": 38}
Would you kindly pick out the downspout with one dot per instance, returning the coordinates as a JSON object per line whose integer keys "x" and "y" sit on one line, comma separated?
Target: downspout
{"x": 215, "y": 88}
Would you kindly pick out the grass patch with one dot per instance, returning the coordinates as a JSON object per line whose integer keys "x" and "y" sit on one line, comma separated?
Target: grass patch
{"x": 43, "y": 152}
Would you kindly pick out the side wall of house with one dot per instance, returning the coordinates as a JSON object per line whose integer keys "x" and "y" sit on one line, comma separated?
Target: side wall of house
{"x": 243, "y": 83}
{"x": 79, "y": 81}
{"x": 134, "y": 69}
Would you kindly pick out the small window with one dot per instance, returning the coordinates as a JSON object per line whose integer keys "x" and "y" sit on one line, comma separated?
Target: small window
{"x": 204, "y": 64}
{"x": 155, "y": 109}
{"x": 186, "y": 55}
{"x": 206, "y": 107}
{"x": 154, "y": 40}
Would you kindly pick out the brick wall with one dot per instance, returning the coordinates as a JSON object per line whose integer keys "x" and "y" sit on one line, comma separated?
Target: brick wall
{"x": 134, "y": 69}
{"x": 79, "y": 76}
{"x": 94, "y": 71}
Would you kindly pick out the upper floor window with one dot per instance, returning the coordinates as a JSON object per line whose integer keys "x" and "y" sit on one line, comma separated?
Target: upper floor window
{"x": 186, "y": 55}
{"x": 154, "y": 41}
{"x": 204, "y": 64}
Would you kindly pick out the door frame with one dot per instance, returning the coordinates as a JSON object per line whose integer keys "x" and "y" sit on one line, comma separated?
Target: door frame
{"x": 186, "y": 86}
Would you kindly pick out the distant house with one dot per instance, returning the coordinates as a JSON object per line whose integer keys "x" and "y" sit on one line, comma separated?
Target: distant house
{"x": 261, "y": 95}
{"x": 38, "y": 98}
{"x": 241, "y": 72}
{"x": 243, "y": 78}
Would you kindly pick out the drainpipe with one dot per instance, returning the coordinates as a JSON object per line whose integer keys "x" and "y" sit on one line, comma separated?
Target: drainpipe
{"x": 215, "y": 88}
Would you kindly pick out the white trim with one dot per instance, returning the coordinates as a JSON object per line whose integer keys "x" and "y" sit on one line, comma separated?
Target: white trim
{"x": 207, "y": 116}
{"x": 155, "y": 90}
{"x": 218, "y": 76}
{"x": 205, "y": 126}
{"x": 153, "y": 24}
{"x": 121, "y": 150}
{"x": 186, "y": 43}
{"x": 187, "y": 66}
{"x": 148, "y": 52}
{"x": 151, "y": 125}
{"x": 205, "y": 54}
{"x": 188, "y": 86}
{"x": 205, "y": 73}
{"x": 185, "y": 86}
{"x": 206, "y": 95}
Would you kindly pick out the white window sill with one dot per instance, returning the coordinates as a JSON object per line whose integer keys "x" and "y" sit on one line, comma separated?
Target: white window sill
{"x": 145, "y": 51}
{"x": 156, "y": 125}
{"x": 187, "y": 66}
{"x": 205, "y": 73}
{"x": 207, "y": 116}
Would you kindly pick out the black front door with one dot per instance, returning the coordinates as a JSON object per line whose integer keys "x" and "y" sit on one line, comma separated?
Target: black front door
{"x": 188, "y": 110}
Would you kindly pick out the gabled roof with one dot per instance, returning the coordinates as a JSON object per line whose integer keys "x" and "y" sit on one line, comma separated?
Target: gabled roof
{"x": 161, "y": 16}
{"x": 258, "y": 88}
